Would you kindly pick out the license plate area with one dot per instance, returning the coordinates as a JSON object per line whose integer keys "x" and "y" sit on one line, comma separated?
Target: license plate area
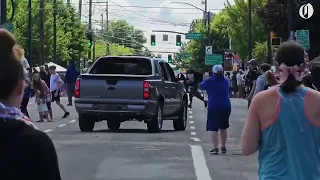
{"x": 112, "y": 107}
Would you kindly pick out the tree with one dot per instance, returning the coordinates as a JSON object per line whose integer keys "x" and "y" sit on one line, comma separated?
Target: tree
{"x": 196, "y": 48}
{"x": 121, "y": 32}
{"x": 115, "y": 49}
{"x": 274, "y": 17}
{"x": 238, "y": 25}
{"x": 260, "y": 52}
{"x": 71, "y": 40}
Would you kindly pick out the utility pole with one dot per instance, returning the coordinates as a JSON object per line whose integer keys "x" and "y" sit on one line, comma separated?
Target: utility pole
{"x": 207, "y": 22}
{"x": 250, "y": 28}
{"x": 3, "y": 12}
{"x": 80, "y": 8}
{"x": 41, "y": 16}
{"x": 54, "y": 31}
{"x": 90, "y": 28}
{"x": 29, "y": 41}
{"x": 107, "y": 28}
{"x": 290, "y": 18}
{"x": 102, "y": 26}
{"x": 94, "y": 50}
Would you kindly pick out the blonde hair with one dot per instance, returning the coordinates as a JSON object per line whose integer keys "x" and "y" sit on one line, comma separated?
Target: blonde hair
{"x": 17, "y": 51}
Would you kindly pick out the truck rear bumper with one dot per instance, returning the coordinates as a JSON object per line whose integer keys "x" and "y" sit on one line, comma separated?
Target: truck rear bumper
{"x": 107, "y": 108}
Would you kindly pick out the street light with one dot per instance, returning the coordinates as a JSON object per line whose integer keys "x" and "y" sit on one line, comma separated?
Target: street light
{"x": 189, "y": 5}
{"x": 203, "y": 10}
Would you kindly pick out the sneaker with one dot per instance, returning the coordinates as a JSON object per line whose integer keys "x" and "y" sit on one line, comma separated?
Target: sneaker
{"x": 214, "y": 151}
{"x": 70, "y": 104}
{"x": 223, "y": 150}
{"x": 66, "y": 115}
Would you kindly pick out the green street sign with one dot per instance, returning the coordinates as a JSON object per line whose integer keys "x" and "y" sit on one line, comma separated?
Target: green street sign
{"x": 185, "y": 56}
{"x": 194, "y": 36}
{"x": 7, "y": 26}
{"x": 213, "y": 59}
{"x": 302, "y": 37}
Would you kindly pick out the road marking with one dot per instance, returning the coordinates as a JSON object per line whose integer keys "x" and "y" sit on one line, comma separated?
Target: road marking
{"x": 72, "y": 121}
{"x": 191, "y": 122}
{"x": 193, "y": 133}
{"x": 199, "y": 163}
{"x": 61, "y": 125}
{"x": 190, "y": 117}
{"x": 195, "y": 139}
{"x": 190, "y": 112}
{"x": 48, "y": 130}
{"x": 192, "y": 127}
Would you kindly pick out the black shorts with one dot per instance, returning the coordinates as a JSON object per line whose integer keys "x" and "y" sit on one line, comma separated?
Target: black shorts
{"x": 218, "y": 119}
{"x": 55, "y": 98}
{"x": 48, "y": 105}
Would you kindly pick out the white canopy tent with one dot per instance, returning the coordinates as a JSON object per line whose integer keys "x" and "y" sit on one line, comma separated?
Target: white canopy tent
{"x": 59, "y": 68}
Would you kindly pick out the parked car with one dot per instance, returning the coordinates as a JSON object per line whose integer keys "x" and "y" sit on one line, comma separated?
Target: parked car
{"x": 123, "y": 88}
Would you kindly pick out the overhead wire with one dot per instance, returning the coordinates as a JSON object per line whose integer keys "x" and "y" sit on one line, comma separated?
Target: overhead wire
{"x": 140, "y": 20}
{"x": 142, "y": 14}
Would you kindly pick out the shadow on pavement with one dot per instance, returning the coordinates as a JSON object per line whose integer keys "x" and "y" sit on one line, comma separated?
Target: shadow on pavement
{"x": 129, "y": 131}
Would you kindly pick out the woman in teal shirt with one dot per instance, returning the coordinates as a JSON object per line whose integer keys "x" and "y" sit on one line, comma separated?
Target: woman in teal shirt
{"x": 283, "y": 123}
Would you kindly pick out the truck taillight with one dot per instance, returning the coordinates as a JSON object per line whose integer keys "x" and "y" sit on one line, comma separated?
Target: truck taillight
{"x": 146, "y": 90}
{"x": 77, "y": 89}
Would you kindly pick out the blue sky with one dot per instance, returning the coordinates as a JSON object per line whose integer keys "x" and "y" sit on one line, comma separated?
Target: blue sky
{"x": 154, "y": 15}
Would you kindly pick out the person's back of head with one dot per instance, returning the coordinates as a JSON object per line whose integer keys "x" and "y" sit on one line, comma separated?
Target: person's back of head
{"x": 217, "y": 70}
{"x": 265, "y": 67}
{"x": 11, "y": 70}
{"x": 291, "y": 64}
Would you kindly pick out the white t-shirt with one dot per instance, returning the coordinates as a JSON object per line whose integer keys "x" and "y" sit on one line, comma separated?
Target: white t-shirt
{"x": 25, "y": 63}
{"x": 240, "y": 79}
{"x": 54, "y": 81}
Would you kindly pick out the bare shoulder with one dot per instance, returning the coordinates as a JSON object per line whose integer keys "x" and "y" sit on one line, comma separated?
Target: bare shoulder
{"x": 313, "y": 95}
{"x": 271, "y": 95}
{"x": 312, "y": 109}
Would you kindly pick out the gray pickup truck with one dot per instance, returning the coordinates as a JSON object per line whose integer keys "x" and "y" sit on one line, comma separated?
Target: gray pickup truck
{"x": 125, "y": 88}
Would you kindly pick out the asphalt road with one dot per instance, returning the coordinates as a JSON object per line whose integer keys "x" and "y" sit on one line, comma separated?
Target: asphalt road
{"x": 134, "y": 154}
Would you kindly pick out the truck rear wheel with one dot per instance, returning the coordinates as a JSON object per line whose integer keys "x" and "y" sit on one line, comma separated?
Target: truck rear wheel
{"x": 113, "y": 125}
{"x": 155, "y": 125}
{"x": 86, "y": 123}
{"x": 181, "y": 123}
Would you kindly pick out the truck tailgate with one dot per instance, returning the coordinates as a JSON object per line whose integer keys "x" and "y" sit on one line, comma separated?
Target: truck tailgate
{"x": 112, "y": 86}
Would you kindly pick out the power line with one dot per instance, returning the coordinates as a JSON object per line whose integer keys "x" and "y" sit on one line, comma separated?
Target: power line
{"x": 140, "y": 14}
{"x": 141, "y": 20}
{"x": 157, "y": 7}
{"x": 148, "y": 12}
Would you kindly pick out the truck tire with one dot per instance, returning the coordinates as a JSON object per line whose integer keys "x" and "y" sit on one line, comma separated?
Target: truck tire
{"x": 86, "y": 123}
{"x": 155, "y": 125}
{"x": 113, "y": 125}
{"x": 181, "y": 123}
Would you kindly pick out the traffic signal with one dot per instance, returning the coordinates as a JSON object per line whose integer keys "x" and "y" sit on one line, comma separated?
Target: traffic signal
{"x": 170, "y": 58}
{"x": 89, "y": 35}
{"x": 275, "y": 41}
{"x": 153, "y": 40}
{"x": 178, "y": 40}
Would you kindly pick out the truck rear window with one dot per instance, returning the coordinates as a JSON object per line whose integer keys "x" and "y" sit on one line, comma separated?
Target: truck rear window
{"x": 122, "y": 65}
